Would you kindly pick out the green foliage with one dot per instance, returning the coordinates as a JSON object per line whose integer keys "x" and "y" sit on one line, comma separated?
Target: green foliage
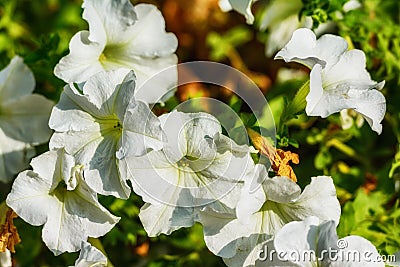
{"x": 321, "y": 11}
{"x": 222, "y": 45}
{"x": 367, "y": 215}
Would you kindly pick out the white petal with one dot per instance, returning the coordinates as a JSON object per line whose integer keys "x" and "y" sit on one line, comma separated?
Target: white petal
{"x": 82, "y": 61}
{"x": 350, "y": 67}
{"x": 30, "y": 199}
{"x": 252, "y": 196}
{"x": 141, "y": 131}
{"x": 153, "y": 177}
{"x": 299, "y": 241}
{"x": 304, "y": 48}
{"x": 14, "y": 157}
{"x": 281, "y": 189}
{"x": 98, "y": 154}
{"x": 90, "y": 256}
{"x": 222, "y": 233}
{"x": 123, "y": 98}
{"x": 371, "y": 104}
{"x": 16, "y": 80}
{"x": 164, "y": 219}
{"x": 71, "y": 114}
{"x": 323, "y": 101}
{"x": 102, "y": 173}
{"x": 225, "y": 143}
{"x": 241, "y": 6}
{"x": 225, "y": 5}
{"x": 156, "y": 42}
{"x": 156, "y": 77}
{"x": 173, "y": 124}
{"x": 319, "y": 199}
{"x": 280, "y": 34}
{"x": 300, "y": 236}
{"x": 102, "y": 90}
{"x": 26, "y": 118}
{"x": 109, "y": 20}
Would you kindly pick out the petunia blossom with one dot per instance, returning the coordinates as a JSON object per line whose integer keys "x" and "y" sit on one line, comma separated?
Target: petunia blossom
{"x": 56, "y": 196}
{"x": 314, "y": 242}
{"x": 100, "y": 122}
{"x": 265, "y": 206}
{"x": 90, "y": 256}
{"x": 123, "y": 36}
{"x": 338, "y": 78}
{"x": 198, "y": 167}
{"x": 23, "y": 118}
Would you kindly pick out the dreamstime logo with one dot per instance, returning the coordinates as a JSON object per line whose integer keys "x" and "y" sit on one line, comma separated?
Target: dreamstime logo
{"x": 342, "y": 253}
{"x": 200, "y": 158}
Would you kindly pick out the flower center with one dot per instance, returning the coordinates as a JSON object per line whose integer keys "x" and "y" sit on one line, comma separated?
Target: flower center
{"x": 102, "y": 58}
{"x": 110, "y": 125}
{"x": 111, "y": 58}
{"x": 185, "y": 161}
{"x": 118, "y": 126}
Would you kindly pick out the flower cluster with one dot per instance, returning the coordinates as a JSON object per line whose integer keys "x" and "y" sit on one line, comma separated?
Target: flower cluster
{"x": 107, "y": 141}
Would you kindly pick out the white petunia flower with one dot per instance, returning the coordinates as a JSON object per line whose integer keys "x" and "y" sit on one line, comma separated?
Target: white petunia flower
{"x": 338, "y": 78}
{"x": 198, "y": 167}
{"x": 56, "y": 195}
{"x": 123, "y": 36}
{"x": 265, "y": 206}
{"x": 241, "y": 6}
{"x": 90, "y": 256}
{"x": 23, "y": 118}
{"x": 314, "y": 242}
{"x": 100, "y": 123}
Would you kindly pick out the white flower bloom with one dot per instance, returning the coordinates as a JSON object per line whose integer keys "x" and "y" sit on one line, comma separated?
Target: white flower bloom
{"x": 198, "y": 167}
{"x": 55, "y": 195}
{"x": 281, "y": 19}
{"x": 265, "y": 206}
{"x": 90, "y": 256}
{"x": 23, "y": 118}
{"x": 314, "y": 242}
{"x": 123, "y": 36}
{"x": 338, "y": 78}
{"x": 5, "y": 259}
{"x": 100, "y": 123}
{"x": 241, "y": 6}
{"x": 304, "y": 48}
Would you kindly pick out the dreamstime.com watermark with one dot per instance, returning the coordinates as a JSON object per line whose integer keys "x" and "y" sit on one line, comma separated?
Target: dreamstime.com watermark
{"x": 341, "y": 253}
